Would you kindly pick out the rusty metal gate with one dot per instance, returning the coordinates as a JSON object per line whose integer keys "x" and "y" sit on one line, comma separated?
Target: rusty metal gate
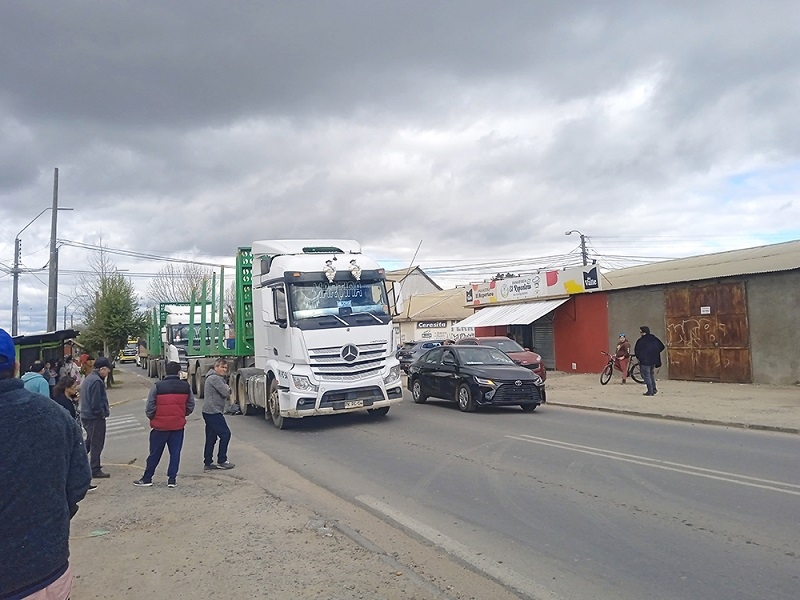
{"x": 707, "y": 333}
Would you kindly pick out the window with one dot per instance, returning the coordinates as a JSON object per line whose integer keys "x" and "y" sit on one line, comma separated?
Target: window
{"x": 434, "y": 356}
{"x": 279, "y": 303}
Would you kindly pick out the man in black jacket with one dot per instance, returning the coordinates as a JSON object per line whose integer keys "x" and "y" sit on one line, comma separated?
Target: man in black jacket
{"x": 43, "y": 475}
{"x": 94, "y": 411}
{"x": 648, "y": 350}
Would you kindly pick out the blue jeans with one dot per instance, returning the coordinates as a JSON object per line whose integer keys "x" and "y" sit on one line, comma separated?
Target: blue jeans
{"x": 158, "y": 439}
{"x": 216, "y": 427}
{"x": 648, "y": 374}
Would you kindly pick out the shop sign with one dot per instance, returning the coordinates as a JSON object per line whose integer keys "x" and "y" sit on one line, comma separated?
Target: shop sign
{"x": 431, "y": 324}
{"x": 544, "y": 284}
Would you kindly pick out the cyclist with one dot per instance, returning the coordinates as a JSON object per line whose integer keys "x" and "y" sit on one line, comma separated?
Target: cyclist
{"x": 623, "y": 355}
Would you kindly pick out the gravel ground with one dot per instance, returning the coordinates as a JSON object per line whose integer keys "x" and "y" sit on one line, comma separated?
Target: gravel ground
{"x": 253, "y": 532}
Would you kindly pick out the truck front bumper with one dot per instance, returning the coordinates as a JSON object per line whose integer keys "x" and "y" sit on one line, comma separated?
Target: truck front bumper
{"x": 299, "y": 404}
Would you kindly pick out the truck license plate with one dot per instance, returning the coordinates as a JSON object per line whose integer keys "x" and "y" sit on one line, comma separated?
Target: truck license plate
{"x": 353, "y": 403}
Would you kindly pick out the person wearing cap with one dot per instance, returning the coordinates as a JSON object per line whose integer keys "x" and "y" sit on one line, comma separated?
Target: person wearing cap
{"x": 44, "y": 474}
{"x": 648, "y": 350}
{"x": 94, "y": 410}
{"x": 169, "y": 403}
{"x": 623, "y": 355}
{"x": 34, "y": 380}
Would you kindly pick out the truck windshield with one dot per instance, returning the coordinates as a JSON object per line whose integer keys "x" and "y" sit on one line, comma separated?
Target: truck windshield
{"x": 346, "y": 301}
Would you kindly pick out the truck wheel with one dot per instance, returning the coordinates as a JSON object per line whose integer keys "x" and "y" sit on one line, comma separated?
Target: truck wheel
{"x": 241, "y": 397}
{"x": 274, "y": 405}
{"x": 378, "y": 412}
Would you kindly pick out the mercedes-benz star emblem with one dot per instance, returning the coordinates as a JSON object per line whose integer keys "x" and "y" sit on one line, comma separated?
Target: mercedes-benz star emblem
{"x": 349, "y": 352}
{"x": 518, "y": 383}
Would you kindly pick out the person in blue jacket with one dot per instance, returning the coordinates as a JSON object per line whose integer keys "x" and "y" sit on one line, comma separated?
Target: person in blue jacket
{"x": 35, "y": 381}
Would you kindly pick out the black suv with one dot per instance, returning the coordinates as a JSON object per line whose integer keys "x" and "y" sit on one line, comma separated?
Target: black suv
{"x": 411, "y": 351}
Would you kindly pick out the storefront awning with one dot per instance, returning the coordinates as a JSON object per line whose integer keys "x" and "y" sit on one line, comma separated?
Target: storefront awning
{"x": 511, "y": 314}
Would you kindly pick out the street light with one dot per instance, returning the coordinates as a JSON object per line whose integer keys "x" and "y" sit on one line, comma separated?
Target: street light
{"x": 15, "y": 270}
{"x": 584, "y": 256}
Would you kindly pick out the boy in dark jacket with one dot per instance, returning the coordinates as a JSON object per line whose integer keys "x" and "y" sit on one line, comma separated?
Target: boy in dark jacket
{"x": 169, "y": 403}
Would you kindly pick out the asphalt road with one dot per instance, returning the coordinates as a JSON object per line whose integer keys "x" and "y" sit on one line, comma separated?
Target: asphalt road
{"x": 565, "y": 503}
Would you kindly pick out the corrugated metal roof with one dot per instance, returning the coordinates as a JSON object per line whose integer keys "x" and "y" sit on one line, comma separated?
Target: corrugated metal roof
{"x": 761, "y": 259}
{"x": 512, "y": 314}
{"x": 445, "y": 304}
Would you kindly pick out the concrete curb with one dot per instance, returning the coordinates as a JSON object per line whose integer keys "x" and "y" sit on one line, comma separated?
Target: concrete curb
{"x": 634, "y": 413}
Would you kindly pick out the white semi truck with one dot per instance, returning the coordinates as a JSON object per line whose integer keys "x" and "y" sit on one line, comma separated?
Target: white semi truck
{"x": 313, "y": 332}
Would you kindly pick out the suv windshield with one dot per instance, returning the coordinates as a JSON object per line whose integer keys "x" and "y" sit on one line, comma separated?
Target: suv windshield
{"x": 505, "y": 345}
{"x": 345, "y": 302}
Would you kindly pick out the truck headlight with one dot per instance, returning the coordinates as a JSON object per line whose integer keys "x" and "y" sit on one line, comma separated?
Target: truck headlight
{"x": 394, "y": 375}
{"x": 303, "y": 383}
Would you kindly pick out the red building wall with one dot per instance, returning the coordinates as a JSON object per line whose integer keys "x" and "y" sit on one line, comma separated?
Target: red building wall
{"x": 580, "y": 328}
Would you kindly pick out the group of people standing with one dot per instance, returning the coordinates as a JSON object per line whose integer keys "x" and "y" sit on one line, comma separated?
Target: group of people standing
{"x": 648, "y": 349}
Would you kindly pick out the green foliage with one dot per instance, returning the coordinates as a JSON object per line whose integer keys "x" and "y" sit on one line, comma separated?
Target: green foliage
{"x": 111, "y": 310}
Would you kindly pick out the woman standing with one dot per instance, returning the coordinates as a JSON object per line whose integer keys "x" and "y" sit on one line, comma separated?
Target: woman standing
{"x": 623, "y": 355}
{"x": 65, "y": 392}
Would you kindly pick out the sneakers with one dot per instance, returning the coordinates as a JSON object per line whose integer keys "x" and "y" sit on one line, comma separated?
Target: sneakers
{"x": 100, "y": 475}
{"x": 92, "y": 488}
{"x": 211, "y": 467}
{"x": 172, "y": 483}
{"x": 225, "y": 465}
{"x": 142, "y": 483}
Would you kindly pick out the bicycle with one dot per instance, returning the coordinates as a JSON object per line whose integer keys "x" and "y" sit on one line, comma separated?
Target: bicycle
{"x": 634, "y": 372}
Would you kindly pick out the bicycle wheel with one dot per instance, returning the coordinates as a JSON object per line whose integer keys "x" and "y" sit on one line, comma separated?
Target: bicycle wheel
{"x": 635, "y": 373}
{"x": 605, "y": 376}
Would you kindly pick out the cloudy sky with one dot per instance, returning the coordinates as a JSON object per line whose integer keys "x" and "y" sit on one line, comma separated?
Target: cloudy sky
{"x": 477, "y": 131}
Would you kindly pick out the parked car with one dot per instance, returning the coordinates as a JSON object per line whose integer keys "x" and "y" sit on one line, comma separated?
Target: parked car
{"x": 411, "y": 351}
{"x": 522, "y": 356}
{"x": 474, "y": 376}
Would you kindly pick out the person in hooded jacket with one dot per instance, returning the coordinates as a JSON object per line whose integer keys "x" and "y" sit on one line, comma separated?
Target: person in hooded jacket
{"x": 648, "y": 350}
{"x": 34, "y": 380}
{"x": 169, "y": 403}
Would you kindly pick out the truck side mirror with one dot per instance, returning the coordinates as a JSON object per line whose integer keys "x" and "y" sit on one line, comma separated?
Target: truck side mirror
{"x": 266, "y": 262}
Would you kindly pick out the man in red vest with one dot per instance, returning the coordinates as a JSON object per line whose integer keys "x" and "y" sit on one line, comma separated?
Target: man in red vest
{"x": 169, "y": 403}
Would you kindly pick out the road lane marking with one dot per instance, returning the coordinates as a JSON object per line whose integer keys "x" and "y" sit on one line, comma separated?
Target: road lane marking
{"x": 745, "y": 480}
{"x": 480, "y": 562}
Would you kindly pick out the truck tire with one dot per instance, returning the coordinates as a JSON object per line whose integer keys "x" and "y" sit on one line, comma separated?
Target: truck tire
{"x": 274, "y": 407}
{"x": 241, "y": 397}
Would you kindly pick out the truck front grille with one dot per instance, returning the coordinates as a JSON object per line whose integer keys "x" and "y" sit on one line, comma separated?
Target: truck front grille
{"x": 328, "y": 364}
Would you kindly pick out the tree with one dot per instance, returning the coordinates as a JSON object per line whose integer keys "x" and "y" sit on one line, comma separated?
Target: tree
{"x": 110, "y": 308}
{"x": 177, "y": 283}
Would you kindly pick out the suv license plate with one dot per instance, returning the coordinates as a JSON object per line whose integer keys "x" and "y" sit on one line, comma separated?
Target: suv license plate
{"x": 353, "y": 403}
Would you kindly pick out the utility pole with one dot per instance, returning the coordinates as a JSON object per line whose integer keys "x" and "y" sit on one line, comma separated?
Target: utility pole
{"x": 52, "y": 288}
{"x": 584, "y": 254}
{"x": 15, "y": 288}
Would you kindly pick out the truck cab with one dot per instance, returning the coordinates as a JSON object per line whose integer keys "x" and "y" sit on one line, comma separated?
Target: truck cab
{"x": 323, "y": 333}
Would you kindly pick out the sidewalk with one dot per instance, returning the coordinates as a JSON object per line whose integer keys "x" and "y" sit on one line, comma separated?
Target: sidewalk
{"x": 753, "y": 406}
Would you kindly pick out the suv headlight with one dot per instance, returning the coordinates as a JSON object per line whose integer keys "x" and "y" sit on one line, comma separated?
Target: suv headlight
{"x": 303, "y": 383}
{"x": 394, "y": 375}
{"x": 482, "y": 381}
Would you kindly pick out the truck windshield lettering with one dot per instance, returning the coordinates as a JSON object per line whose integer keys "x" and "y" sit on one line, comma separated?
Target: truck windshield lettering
{"x": 340, "y": 299}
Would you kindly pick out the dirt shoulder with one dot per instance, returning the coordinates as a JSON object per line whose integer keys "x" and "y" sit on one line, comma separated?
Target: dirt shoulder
{"x": 259, "y": 531}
